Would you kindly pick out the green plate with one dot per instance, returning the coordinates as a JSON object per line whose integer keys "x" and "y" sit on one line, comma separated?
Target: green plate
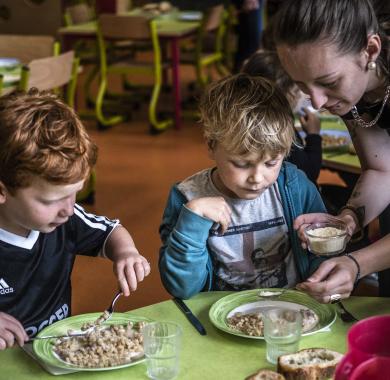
{"x": 250, "y": 301}
{"x": 44, "y": 348}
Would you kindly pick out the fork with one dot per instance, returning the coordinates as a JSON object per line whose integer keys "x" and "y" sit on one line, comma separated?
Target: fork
{"x": 108, "y": 312}
{"x": 344, "y": 314}
{"x": 102, "y": 318}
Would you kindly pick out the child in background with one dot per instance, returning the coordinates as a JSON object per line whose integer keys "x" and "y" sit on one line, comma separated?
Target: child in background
{"x": 230, "y": 227}
{"x": 306, "y": 155}
{"x": 45, "y": 157}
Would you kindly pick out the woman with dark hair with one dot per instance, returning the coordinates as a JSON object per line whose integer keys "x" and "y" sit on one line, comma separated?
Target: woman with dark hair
{"x": 337, "y": 52}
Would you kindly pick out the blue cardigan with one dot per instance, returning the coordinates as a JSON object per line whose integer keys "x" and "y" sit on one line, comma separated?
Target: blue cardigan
{"x": 185, "y": 262}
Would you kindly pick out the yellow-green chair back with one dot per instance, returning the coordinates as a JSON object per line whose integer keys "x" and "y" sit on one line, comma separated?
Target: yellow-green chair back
{"x": 115, "y": 28}
{"x": 213, "y": 23}
{"x": 52, "y": 73}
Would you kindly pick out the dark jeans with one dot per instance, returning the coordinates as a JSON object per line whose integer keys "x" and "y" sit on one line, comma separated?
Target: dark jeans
{"x": 249, "y": 35}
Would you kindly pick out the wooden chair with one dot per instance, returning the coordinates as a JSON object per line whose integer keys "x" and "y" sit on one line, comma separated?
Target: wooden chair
{"x": 58, "y": 73}
{"x": 52, "y": 73}
{"x": 27, "y": 48}
{"x": 213, "y": 24}
{"x": 115, "y": 28}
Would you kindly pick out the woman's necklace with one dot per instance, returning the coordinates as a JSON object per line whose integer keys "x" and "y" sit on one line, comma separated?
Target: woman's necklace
{"x": 364, "y": 124}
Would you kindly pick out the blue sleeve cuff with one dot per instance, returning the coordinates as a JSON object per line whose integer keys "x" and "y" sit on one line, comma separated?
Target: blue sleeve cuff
{"x": 191, "y": 224}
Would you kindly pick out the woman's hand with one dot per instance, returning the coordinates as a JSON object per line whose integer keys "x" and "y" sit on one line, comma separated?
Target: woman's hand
{"x": 333, "y": 276}
{"x": 304, "y": 220}
{"x": 213, "y": 208}
{"x": 11, "y": 330}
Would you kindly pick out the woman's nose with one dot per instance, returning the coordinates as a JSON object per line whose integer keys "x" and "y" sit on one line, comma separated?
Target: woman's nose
{"x": 318, "y": 98}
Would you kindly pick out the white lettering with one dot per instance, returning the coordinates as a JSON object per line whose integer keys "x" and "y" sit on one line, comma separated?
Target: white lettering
{"x": 6, "y": 291}
{"x": 59, "y": 314}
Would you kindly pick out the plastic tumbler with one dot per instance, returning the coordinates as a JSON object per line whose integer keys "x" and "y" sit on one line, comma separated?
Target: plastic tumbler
{"x": 368, "y": 356}
{"x": 162, "y": 343}
{"x": 282, "y": 332}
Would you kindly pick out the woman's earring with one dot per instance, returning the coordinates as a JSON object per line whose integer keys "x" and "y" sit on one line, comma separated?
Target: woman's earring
{"x": 371, "y": 65}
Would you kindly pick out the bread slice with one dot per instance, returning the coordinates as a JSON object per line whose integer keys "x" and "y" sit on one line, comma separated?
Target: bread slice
{"x": 265, "y": 374}
{"x": 309, "y": 364}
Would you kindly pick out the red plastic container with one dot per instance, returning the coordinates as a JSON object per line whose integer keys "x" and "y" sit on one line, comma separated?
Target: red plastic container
{"x": 368, "y": 355}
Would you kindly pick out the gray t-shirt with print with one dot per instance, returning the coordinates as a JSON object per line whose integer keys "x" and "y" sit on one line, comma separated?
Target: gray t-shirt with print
{"x": 255, "y": 251}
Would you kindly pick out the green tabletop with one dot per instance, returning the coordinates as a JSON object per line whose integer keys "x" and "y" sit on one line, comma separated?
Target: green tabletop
{"x": 166, "y": 26}
{"x": 340, "y": 159}
{"x": 217, "y": 355}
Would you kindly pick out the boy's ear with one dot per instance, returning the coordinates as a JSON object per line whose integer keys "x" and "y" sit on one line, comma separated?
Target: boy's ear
{"x": 210, "y": 148}
{"x": 3, "y": 193}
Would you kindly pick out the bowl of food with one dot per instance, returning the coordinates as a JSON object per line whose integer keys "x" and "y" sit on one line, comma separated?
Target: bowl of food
{"x": 326, "y": 239}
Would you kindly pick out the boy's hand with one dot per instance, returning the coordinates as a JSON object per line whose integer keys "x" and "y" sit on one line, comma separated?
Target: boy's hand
{"x": 129, "y": 266}
{"x": 311, "y": 124}
{"x": 130, "y": 270}
{"x": 213, "y": 208}
{"x": 11, "y": 330}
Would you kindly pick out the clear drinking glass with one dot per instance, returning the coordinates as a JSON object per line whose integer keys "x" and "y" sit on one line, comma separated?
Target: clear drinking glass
{"x": 162, "y": 343}
{"x": 282, "y": 332}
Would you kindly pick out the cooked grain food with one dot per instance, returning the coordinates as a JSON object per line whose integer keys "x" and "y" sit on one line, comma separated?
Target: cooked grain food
{"x": 252, "y": 323}
{"x": 102, "y": 347}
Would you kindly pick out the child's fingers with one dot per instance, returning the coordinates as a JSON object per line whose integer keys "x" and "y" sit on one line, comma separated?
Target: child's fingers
{"x": 139, "y": 271}
{"x": 147, "y": 268}
{"x": 131, "y": 277}
{"x": 8, "y": 338}
{"x": 124, "y": 287}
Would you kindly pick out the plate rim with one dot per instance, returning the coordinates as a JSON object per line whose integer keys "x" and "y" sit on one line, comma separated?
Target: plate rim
{"x": 62, "y": 364}
{"x": 284, "y": 290}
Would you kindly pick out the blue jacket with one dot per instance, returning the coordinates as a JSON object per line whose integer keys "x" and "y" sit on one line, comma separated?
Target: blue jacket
{"x": 185, "y": 262}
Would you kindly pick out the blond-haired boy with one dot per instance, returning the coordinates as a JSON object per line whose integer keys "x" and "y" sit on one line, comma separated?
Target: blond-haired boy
{"x": 45, "y": 157}
{"x": 230, "y": 227}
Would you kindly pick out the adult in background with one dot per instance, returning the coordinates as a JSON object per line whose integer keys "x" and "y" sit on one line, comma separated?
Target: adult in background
{"x": 249, "y": 29}
{"x": 337, "y": 51}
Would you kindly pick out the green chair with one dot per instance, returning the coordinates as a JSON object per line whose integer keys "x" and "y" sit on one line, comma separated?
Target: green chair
{"x": 58, "y": 74}
{"x": 207, "y": 49}
{"x": 138, "y": 29}
{"x": 52, "y": 73}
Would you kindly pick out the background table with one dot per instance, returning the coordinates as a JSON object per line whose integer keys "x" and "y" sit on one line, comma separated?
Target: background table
{"x": 344, "y": 161}
{"x": 170, "y": 29}
{"x": 217, "y": 355}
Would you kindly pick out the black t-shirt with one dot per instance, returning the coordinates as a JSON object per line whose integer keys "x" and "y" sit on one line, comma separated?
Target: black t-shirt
{"x": 35, "y": 271}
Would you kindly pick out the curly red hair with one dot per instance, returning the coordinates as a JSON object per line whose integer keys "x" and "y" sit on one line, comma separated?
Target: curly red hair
{"x": 41, "y": 136}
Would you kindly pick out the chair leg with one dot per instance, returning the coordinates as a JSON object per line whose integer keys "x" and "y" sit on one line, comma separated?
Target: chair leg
{"x": 158, "y": 125}
{"x": 105, "y": 122}
{"x": 89, "y": 99}
{"x": 222, "y": 69}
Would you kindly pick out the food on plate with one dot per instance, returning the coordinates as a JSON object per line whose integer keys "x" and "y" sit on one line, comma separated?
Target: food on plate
{"x": 156, "y": 8}
{"x": 326, "y": 238}
{"x": 309, "y": 364}
{"x": 165, "y": 6}
{"x": 329, "y": 140}
{"x": 252, "y": 323}
{"x": 265, "y": 374}
{"x": 108, "y": 346}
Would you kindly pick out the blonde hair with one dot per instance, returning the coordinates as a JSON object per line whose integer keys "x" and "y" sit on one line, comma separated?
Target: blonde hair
{"x": 42, "y": 136}
{"x": 247, "y": 115}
